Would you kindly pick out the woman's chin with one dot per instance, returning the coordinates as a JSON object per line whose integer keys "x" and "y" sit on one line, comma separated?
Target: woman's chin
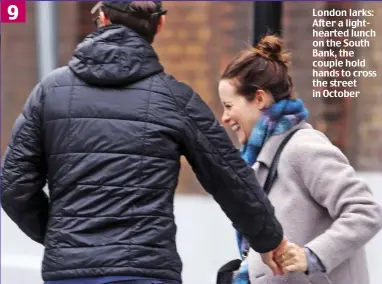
{"x": 241, "y": 140}
{"x": 241, "y": 137}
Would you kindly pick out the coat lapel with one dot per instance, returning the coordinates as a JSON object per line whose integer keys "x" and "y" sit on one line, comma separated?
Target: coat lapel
{"x": 270, "y": 147}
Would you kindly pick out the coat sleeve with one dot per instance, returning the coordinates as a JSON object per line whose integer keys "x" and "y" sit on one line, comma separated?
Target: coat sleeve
{"x": 23, "y": 174}
{"x": 333, "y": 183}
{"x": 224, "y": 174}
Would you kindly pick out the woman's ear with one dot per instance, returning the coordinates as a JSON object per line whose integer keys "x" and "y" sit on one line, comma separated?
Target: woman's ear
{"x": 263, "y": 99}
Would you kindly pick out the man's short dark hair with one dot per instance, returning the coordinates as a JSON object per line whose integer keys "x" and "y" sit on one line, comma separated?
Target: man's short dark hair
{"x": 140, "y": 16}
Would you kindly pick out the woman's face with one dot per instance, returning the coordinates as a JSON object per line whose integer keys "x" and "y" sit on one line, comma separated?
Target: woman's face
{"x": 240, "y": 114}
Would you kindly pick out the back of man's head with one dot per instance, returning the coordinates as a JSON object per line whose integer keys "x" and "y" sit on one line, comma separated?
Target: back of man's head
{"x": 141, "y": 16}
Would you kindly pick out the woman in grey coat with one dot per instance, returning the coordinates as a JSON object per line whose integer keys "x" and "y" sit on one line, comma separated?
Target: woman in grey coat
{"x": 327, "y": 212}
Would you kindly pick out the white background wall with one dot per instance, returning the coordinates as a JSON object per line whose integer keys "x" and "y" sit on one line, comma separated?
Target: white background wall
{"x": 205, "y": 241}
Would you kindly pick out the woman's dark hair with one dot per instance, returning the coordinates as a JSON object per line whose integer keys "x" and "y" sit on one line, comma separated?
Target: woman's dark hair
{"x": 264, "y": 67}
{"x": 138, "y": 19}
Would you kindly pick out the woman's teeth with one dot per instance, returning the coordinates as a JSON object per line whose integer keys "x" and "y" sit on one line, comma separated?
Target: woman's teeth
{"x": 235, "y": 127}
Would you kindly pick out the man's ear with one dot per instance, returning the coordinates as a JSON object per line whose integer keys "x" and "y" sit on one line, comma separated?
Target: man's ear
{"x": 263, "y": 99}
{"x": 104, "y": 21}
{"x": 162, "y": 21}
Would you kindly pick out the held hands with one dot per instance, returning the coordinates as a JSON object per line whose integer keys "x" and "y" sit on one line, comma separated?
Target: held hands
{"x": 269, "y": 258}
{"x": 292, "y": 258}
{"x": 287, "y": 257}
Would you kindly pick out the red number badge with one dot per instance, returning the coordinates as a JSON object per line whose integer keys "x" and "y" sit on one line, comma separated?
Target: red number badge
{"x": 13, "y": 11}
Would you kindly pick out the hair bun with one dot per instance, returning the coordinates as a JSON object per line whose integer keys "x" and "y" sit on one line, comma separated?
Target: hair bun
{"x": 272, "y": 48}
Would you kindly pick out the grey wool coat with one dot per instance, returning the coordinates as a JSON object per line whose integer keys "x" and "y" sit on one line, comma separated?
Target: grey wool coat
{"x": 322, "y": 205}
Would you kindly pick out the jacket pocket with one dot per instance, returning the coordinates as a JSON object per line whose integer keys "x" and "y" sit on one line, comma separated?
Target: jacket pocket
{"x": 319, "y": 278}
{"x": 290, "y": 278}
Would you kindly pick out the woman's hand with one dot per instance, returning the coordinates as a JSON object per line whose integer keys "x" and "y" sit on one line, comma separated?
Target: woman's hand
{"x": 292, "y": 258}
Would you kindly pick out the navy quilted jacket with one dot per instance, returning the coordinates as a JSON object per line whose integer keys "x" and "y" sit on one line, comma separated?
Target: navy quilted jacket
{"x": 106, "y": 134}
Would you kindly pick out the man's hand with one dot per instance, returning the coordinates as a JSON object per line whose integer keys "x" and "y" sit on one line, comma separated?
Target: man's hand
{"x": 269, "y": 258}
{"x": 291, "y": 258}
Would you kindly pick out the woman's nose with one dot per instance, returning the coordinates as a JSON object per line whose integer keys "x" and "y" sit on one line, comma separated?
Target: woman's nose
{"x": 225, "y": 117}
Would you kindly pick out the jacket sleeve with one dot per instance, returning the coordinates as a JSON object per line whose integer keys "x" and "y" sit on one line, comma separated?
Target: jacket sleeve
{"x": 333, "y": 183}
{"x": 224, "y": 174}
{"x": 23, "y": 174}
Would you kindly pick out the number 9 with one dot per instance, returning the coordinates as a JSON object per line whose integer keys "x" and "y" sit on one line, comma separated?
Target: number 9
{"x": 13, "y": 12}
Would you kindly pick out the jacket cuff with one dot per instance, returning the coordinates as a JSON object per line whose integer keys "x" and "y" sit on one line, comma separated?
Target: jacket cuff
{"x": 271, "y": 241}
{"x": 324, "y": 252}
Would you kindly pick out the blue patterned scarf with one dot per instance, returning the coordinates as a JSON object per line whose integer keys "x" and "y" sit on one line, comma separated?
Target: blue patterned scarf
{"x": 275, "y": 120}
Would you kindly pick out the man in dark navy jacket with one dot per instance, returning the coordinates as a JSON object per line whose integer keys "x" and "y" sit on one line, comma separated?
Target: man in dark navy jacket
{"x": 106, "y": 134}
